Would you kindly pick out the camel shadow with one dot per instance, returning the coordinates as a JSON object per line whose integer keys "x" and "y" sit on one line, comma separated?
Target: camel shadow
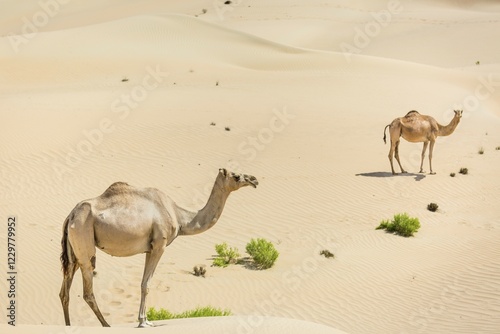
{"x": 418, "y": 177}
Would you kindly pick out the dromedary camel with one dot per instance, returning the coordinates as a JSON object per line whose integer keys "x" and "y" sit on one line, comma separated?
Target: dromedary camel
{"x": 416, "y": 128}
{"x": 125, "y": 221}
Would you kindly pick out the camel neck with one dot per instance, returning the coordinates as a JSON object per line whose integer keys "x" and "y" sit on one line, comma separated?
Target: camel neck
{"x": 446, "y": 130}
{"x": 198, "y": 222}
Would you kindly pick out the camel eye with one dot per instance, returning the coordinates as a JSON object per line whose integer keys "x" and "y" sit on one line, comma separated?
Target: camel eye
{"x": 236, "y": 177}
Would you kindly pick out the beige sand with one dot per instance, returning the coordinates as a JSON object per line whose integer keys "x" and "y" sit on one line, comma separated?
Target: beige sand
{"x": 306, "y": 118}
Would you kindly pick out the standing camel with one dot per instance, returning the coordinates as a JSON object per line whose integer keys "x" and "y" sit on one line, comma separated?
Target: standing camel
{"x": 416, "y": 128}
{"x": 126, "y": 221}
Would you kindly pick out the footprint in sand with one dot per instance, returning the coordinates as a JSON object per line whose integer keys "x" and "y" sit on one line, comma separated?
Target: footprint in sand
{"x": 118, "y": 291}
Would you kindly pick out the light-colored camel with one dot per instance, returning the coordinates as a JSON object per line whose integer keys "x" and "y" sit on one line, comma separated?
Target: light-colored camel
{"x": 416, "y": 128}
{"x": 125, "y": 221}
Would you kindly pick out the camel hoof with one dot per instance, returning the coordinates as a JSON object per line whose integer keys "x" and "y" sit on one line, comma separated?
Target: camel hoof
{"x": 146, "y": 324}
{"x": 432, "y": 173}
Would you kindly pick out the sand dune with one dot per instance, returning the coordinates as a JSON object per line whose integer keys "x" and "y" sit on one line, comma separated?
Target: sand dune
{"x": 118, "y": 91}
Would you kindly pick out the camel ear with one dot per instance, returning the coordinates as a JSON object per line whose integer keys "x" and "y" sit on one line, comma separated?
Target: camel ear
{"x": 223, "y": 171}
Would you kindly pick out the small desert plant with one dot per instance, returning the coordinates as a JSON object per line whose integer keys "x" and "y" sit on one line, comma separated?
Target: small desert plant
{"x": 200, "y": 270}
{"x": 497, "y": 148}
{"x": 262, "y": 252}
{"x": 326, "y": 253}
{"x": 464, "y": 171}
{"x": 432, "y": 207}
{"x": 452, "y": 174}
{"x": 227, "y": 128}
{"x": 481, "y": 151}
{"x": 207, "y": 311}
{"x": 225, "y": 255}
{"x": 401, "y": 224}
{"x": 478, "y": 62}
{"x": 213, "y": 124}
{"x": 124, "y": 79}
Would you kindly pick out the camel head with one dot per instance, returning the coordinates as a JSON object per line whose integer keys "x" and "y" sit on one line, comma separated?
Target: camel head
{"x": 234, "y": 181}
{"x": 458, "y": 113}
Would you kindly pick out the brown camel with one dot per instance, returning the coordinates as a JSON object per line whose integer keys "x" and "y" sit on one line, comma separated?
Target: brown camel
{"x": 125, "y": 221}
{"x": 416, "y": 128}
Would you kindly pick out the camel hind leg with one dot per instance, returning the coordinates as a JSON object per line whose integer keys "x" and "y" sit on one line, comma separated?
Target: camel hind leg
{"x": 395, "y": 151}
{"x": 152, "y": 259}
{"x": 82, "y": 240}
{"x": 396, "y": 154}
{"x": 66, "y": 286}
{"x": 390, "y": 156}
{"x": 88, "y": 291}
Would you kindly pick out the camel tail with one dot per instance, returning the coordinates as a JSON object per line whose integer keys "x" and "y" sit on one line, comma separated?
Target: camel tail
{"x": 81, "y": 211}
{"x": 67, "y": 252}
{"x": 385, "y": 142}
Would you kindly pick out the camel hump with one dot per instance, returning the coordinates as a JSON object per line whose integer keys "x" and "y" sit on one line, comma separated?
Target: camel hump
{"x": 117, "y": 188}
{"x": 412, "y": 113}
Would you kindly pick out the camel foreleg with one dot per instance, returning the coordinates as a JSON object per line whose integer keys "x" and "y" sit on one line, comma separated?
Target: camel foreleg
{"x": 423, "y": 156}
{"x": 152, "y": 259}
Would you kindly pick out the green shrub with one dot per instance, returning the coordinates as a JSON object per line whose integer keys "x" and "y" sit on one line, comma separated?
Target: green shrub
{"x": 452, "y": 174}
{"x": 225, "y": 255}
{"x": 160, "y": 314}
{"x": 401, "y": 224}
{"x": 207, "y": 311}
{"x": 262, "y": 252}
{"x": 481, "y": 151}
{"x": 464, "y": 171}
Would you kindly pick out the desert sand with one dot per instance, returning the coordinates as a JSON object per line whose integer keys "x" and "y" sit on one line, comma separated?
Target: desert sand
{"x": 102, "y": 91}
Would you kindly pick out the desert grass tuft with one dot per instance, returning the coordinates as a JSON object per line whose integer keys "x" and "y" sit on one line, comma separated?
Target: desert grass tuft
{"x": 207, "y": 311}
{"x": 262, "y": 252}
{"x": 326, "y": 253}
{"x": 401, "y": 224}
{"x": 225, "y": 255}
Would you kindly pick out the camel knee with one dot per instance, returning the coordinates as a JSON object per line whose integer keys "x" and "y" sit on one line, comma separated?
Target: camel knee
{"x": 89, "y": 298}
{"x": 64, "y": 297}
{"x": 144, "y": 289}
